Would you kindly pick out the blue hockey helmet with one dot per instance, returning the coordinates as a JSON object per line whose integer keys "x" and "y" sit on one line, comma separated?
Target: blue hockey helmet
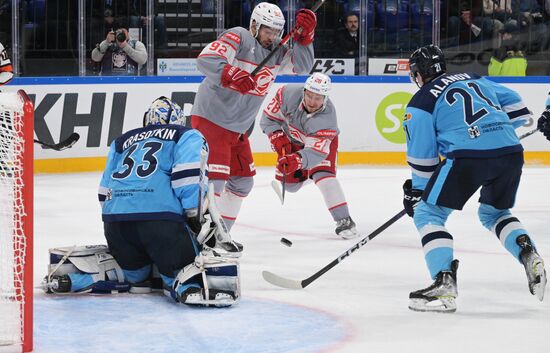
{"x": 428, "y": 61}
{"x": 163, "y": 111}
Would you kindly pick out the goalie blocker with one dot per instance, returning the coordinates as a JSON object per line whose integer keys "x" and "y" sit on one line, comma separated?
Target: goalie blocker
{"x": 210, "y": 280}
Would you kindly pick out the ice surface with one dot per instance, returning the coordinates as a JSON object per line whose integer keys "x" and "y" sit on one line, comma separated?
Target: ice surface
{"x": 358, "y": 306}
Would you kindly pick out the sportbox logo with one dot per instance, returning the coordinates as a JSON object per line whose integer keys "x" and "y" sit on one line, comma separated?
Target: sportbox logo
{"x": 394, "y": 68}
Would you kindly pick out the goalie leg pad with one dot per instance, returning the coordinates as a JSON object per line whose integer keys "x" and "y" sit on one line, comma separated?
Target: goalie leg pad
{"x": 209, "y": 281}
{"x": 89, "y": 268}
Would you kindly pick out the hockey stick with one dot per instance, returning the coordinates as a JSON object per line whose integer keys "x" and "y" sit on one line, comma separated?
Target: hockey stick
{"x": 283, "y": 42}
{"x": 67, "y": 143}
{"x": 202, "y": 172}
{"x": 279, "y": 281}
{"x": 283, "y": 182}
{"x": 528, "y": 133}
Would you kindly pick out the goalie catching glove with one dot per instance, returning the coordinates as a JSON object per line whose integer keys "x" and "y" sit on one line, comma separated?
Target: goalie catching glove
{"x": 411, "y": 197}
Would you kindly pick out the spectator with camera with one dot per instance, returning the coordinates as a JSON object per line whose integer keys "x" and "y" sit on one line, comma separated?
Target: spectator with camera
{"x": 119, "y": 55}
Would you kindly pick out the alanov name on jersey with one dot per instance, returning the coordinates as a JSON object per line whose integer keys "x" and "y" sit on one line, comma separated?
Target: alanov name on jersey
{"x": 164, "y": 134}
{"x": 436, "y": 90}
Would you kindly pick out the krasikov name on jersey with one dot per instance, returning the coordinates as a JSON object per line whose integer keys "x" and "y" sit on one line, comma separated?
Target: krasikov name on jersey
{"x": 164, "y": 134}
{"x": 437, "y": 89}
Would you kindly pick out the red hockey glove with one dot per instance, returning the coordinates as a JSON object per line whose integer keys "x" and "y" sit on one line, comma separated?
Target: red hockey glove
{"x": 306, "y": 20}
{"x": 238, "y": 79}
{"x": 290, "y": 164}
{"x": 280, "y": 142}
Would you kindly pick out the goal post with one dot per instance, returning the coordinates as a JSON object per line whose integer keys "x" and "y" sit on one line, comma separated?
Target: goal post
{"x": 16, "y": 222}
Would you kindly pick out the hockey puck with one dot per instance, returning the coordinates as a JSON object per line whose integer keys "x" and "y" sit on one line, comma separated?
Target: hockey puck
{"x": 286, "y": 242}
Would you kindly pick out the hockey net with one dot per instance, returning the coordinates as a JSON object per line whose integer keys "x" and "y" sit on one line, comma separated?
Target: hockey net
{"x": 16, "y": 222}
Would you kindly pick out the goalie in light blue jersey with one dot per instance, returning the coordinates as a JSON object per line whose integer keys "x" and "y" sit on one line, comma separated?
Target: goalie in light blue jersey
{"x": 470, "y": 122}
{"x": 152, "y": 195}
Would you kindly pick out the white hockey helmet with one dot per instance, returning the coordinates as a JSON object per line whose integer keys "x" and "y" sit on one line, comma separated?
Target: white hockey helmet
{"x": 269, "y": 15}
{"x": 318, "y": 83}
{"x": 163, "y": 111}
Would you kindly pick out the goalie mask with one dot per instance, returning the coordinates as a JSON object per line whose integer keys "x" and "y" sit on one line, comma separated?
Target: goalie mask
{"x": 269, "y": 15}
{"x": 428, "y": 62}
{"x": 163, "y": 111}
{"x": 320, "y": 84}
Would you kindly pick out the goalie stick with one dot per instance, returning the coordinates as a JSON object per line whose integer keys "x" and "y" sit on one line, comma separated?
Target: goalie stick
{"x": 67, "y": 143}
{"x": 283, "y": 42}
{"x": 283, "y": 282}
{"x": 279, "y": 281}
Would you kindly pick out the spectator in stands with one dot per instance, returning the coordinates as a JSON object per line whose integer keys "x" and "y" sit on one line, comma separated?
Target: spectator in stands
{"x": 465, "y": 23}
{"x": 119, "y": 55}
{"x": 531, "y": 20}
{"x": 501, "y": 12}
{"x": 508, "y": 60}
{"x": 138, "y": 19}
{"x": 346, "y": 40}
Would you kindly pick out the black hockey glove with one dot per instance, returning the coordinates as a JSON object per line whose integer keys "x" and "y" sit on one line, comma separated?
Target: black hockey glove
{"x": 410, "y": 197}
{"x": 194, "y": 224}
{"x": 543, "y": 124}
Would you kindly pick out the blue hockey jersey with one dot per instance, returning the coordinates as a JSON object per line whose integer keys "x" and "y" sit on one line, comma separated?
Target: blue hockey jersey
{"x": 460, "y": 116}
{"x": 154, "y": 173}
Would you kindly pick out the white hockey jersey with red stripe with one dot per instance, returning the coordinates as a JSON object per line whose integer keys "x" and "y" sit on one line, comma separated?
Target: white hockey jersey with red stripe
{"x": 313, "y": 131}
{"x": 226, "y": 107}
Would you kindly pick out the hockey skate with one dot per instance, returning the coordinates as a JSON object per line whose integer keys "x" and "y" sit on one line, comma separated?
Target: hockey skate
{"x": 56, "y": 284}
{"x": 346, "y": 228}
{"x": 440, "y": 296}
{"x": 217, "y": 298}
{"x": 534, "y": 266}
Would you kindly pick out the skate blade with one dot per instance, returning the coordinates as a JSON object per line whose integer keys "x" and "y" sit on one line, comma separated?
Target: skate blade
{"x": 540, "y": 286}
{"x": 348, "y": 234}
{"x": 441, "y": 305}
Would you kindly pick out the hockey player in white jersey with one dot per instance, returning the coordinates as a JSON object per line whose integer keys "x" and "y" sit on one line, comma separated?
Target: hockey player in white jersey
{"x": 229, "y": 98}
{"x": 469, "y": 121}
{"x": 6, "y": 70}
{"x": 301, "y": 124}
{"x": 152, "y": 194}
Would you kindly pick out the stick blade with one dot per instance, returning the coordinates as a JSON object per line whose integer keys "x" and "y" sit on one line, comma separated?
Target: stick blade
{"x": 282, "y": 282}
{"x": 69, "y": 142}
{"x": 277, "y": 189}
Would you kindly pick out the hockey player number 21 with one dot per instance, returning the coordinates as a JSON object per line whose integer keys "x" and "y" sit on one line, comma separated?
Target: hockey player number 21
{"x": 144, "y": 169}
{"x": 470, "y": 116}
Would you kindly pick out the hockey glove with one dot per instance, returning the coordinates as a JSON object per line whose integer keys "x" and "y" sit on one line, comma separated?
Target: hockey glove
{"x": 307, "y": 21}
{"x": 280, "y": 142}
{"x": 411, "y": 197}
{"x": 543, "y": 124}
{"x": 290, "y": 163}
{"x": 238, "y": 79}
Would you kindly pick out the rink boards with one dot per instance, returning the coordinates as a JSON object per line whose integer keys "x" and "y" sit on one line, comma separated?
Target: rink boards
{"x": 370, "y": 111}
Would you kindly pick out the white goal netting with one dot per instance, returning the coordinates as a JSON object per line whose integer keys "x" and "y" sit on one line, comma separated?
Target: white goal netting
{"x": 12, "y": 237}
